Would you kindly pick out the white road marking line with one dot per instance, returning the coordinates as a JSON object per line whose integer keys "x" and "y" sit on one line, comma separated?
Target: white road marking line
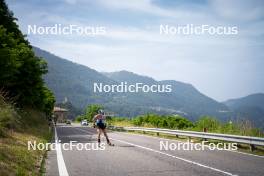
{"x": 61, "y": 164}
{"x": 243, "y": 153}
{"x": 173, "y": 156}
{"x": 249, "y": 154}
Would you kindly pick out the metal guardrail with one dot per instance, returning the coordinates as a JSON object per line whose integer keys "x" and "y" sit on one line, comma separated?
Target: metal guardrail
{"x": 224, "y": 137}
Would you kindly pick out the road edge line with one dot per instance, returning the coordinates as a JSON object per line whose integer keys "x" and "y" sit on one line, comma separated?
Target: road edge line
{"x": 60, "y": 161}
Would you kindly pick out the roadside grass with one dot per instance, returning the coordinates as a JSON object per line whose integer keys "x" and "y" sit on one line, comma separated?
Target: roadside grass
{"x": 42, "y": 169}
{"x": 126, "y": 123}
{"x": 15, "y": 158}
{"x": 121, "y": 123}
{"x": 205, "y": 123}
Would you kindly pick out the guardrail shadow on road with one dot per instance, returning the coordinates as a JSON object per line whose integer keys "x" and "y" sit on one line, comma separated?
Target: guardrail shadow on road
{"x": 79, "y": 139}
{"x": 125, "y": 146}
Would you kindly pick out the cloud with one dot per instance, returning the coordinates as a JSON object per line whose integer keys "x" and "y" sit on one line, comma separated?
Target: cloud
{"x": 148, "y": 7}
{"x": 219, "y": 66}
{"x": 71, "y": 1}
{"x": 237, "y": 10}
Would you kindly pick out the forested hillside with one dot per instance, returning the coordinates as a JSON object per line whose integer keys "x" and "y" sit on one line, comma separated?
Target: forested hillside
{"x": 75, "y": 82}
{"x": 250, "y": 107}
{"x": 184, "y": 99}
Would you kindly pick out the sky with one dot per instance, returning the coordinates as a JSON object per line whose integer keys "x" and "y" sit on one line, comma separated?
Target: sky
{"x": 220, "y": 66}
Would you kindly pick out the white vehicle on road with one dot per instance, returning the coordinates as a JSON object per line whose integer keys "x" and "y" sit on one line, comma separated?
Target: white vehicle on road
{"x": 84, "y": 123}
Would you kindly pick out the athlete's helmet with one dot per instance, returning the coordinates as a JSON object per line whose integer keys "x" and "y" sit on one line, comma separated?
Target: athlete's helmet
{"x": 100, "y": 111}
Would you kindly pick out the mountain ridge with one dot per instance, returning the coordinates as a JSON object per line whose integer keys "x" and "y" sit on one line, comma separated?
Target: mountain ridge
{"x": 255, "y": 99}
{"x": 250, "y": 107}
{"x": 75, "y": 81}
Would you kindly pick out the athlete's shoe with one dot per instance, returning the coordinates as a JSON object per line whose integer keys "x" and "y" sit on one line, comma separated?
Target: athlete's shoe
{"x": 110, "y": 144}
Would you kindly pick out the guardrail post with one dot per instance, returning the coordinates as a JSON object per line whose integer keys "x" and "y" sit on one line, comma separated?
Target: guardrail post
{"x": 157, "y": 133}
{"x": 252, "y": 147}
{"x": 204, "y": 130}
{"x": 144, "y": 132}
{"x": 189, "y": 138}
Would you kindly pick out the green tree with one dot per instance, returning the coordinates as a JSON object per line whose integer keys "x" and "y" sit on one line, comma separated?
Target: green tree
{"x": 7, "y": 20}
{"x": 138, "y": 121}
{"x": 162, "y": 121}
{"x": 48, "y": 101}
{"x": 92, "y": 110}
{"x": 79, "y": 118}
{"x": 21, "y": 71}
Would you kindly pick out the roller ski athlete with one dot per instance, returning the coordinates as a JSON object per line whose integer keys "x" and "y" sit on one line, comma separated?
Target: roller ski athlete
{"x": 99, "y": 122}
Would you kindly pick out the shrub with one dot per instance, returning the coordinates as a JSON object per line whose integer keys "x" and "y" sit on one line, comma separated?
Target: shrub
{"x": 9, "y": 118}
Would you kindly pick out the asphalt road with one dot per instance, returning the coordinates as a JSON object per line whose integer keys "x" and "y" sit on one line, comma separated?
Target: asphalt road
{"x": 141, "y": 155}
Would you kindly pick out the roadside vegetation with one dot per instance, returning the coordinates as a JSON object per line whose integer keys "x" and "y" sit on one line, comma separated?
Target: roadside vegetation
{"x": 25, "y": 102}
{"x": 17, "y": 127}
{"x": 89, "y": 112}
{"x": 210, "y": 124}
{"x": 205, "y": 123}
{"x": 177, "y": 122}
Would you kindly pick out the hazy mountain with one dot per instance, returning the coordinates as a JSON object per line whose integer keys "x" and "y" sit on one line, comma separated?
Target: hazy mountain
{"x": 250, "y": 107}
{"x": 75, "y": 82}
{"x": 256, "y": 100}
{"x": 184, "y": 98}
